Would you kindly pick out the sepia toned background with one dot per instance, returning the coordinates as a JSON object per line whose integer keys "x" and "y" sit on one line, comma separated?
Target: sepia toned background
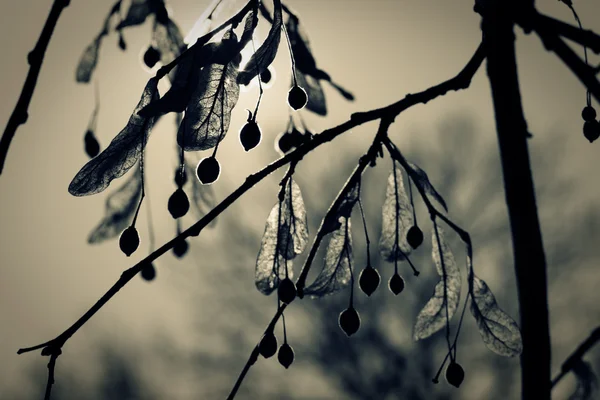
{"x": 187, "y": 334}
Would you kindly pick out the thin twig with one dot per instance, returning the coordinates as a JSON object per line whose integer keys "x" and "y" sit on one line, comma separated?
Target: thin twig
{"x": 386, "y": 114}
{"x": 35, "y": 59}
{"x": 577, "y": 355}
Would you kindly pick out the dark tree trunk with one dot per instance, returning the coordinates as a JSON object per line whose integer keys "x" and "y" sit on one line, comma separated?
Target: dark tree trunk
{"x": 529, "y": 259}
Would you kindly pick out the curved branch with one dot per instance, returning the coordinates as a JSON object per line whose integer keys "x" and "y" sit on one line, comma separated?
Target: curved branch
{"x": 35, "y": 58}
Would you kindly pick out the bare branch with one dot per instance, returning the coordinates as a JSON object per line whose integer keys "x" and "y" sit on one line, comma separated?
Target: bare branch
{"x": 583, "y": 37}
{"x": 577, "y": 355}
{"x": 35, "y": 58}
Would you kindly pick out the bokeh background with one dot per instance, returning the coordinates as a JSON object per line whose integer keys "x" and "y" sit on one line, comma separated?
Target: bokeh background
{"x": 188, "y": 333}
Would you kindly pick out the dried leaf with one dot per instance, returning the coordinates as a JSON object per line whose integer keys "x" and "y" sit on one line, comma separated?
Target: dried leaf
{"x": 169, "y": 41}
{"x": 397, "y": 219}
{"x": 88, "y": 61}
{"x": 499, "y": 332}
{"x": 137, "y": 13}
{"x": 316, "y": 98}
{"x": 304, "y": 59}
{"x": 286, "y": 238}
{"x": 337, "y": 272}
{"x": 422, "y": 180}
{"x": 293, "y": 230}
{"x": 122, "y": 153}
{"x": 442, "y": 306}
{"x": 208, "y": 113}
{"x": 120, "y": 209}
{"x": 587, "y": 382}
{"x": 265, "y": 54}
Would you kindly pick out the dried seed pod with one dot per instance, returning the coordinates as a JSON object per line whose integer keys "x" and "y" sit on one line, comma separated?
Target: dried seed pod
{"x": 588, "y": 113}
{"x": 268, "y": 345}
{"x": 178, "y": 204}
{"x": 349, "y": 321}
{"x": 208, "y": 170}
{"x": 369, "y": 280}
{"x": 250, "y": 135}
{"x": 148, "y": 272}
{"x": 180, "y": 177}
{"x": 180, "y": 248}
{"x": 92, "y": 147}
{"x": 151, "y": 57}
{"x": 129, "y": 241}
{"x": 591, "y": 130}
{"x": 285, "y": 355}
{"x": 286, "y": 291}
{"x": 455, "y": 374}
{"x": 297, "y": 97}
{"x": 414, "y": 236}
{"x": 396, "y": 284}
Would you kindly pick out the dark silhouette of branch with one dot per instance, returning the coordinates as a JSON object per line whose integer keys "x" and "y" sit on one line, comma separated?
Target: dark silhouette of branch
{"x": 552, "y": 41}
{"x": 583, "y": 37}
{"x": 528, "y": 250}
{"x": 577, "y": 355}
{"x": 463, "y": 81}
{"x": 386, "y": 115}
{"x": 51, "y": 366}
{"x": 35, "y": 58}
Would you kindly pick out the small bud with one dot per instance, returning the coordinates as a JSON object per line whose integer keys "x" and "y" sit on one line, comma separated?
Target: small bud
{"x": 151, "y": 57}
{"x": 414, "y": 236}
{"x": 369, "y": 280}
{"x": 208, "y": 170}
{"x": 129, "y": 241}
{"x": 180, "y": 248}
{"x": 286, "y": 291}
{"x": 285, "y": 355}
{"x": 92, "y": 147}
{"x": 250, "y": 135}
{"x": 396, "y": 284}
{"x": 148, "y": 272}
{"x": 349, "y": 321}
{"x": 591, "y": 130}
{"x": 588, "y": 114}
{"x": 178, "y": 204}
{"x": 455, "y": 374}
{"x": 268, "y": 345}
{"x": 297, "y": 98}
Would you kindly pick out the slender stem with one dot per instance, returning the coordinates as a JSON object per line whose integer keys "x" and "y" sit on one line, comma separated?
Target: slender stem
{"x": 35, "y": 58}
{"x": 385, "y": 114}
{"x": 364, "y": 221}
{"x": 528, "y": 249}
{"x": 293, "y": 59}
{"x": 577, "y": 355}
{"x": 445, "y": 280}
{"x": 50, "y": 382}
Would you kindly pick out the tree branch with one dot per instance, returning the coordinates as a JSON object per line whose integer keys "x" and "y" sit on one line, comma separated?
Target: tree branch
{"x": 577, "y": 355}
{"x": 553, "y": 42}
{"x": 387, "y": 116}
{"x": 35, "y": 58}
{"x": 528, "y": 250}
{"x": 583, "y": 37}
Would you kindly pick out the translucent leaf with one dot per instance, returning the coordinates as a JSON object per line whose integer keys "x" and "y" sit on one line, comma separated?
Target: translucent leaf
{"x": 336, "y": 274}
{"x": 587, "y": 382}
{"x": 119, "y": 210}
{"x": 293, "y": 230}
{"x": 122, "y": 153}
{"x": 265, "y": 54}
{"x": 137, "y": 13}
{"x": 287, "y": 239}
{"x": 305, "y": 61}
{"x": 203, "y": 196}
{"x": 88, "y": 61}
{"x": 169, "y": 41}
{"x": 397, "y": 218}
{"x": 423, "y": 181}
{"x": 442, "y": 306}
{"x": 499, "y": 332}
{"x": 314, "y": 90}
{"x": 208, "y": 115}
{"x": 344, "y": 209}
